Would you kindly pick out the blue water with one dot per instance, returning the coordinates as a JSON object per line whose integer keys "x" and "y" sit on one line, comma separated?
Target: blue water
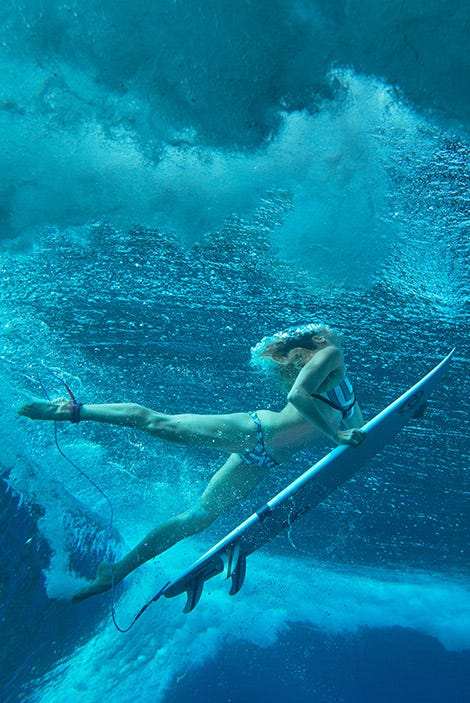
{"x": 177, "y": 180}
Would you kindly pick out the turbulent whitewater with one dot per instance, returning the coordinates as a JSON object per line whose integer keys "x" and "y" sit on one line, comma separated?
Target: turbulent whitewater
{"x": 179, "y": 179}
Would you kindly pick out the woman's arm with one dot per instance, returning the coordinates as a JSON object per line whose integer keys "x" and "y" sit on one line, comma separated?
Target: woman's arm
{"x": 356, "y": 419}
{"x": 309, "y": 380}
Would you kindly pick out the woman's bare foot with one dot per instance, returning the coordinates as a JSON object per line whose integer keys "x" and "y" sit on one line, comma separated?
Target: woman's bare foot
{"x": 46, "y": 410}
{"x": 101, "y": 584}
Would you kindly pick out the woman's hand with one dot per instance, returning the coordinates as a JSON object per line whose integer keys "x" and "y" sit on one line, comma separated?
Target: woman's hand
{"x": 353, "y": 437}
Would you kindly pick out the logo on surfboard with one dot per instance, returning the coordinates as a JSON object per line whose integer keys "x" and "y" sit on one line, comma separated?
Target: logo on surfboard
{"x": 412, "y": 403}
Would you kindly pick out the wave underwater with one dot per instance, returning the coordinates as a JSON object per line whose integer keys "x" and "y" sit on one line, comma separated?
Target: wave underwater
{"x": 320, "y": 142}
{"x": 179, "y": 114}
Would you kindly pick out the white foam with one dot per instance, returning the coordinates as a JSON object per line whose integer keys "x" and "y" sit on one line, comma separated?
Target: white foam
{"x": 331, "y": 163}
{"x": 165, "y": 644}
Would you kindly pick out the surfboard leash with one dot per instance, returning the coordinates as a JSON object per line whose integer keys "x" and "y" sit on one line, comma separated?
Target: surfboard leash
{"x": 108, "y": 532}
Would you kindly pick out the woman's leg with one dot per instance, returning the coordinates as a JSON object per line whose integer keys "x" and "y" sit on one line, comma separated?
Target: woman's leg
{"x": 232, "y": 483}
{"x": 234, "y": 432}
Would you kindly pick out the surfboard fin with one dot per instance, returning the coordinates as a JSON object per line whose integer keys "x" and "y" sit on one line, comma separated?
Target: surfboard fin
{"x": 193, "y": 594}
{"x": 235, "y": 566}
{"x": 238, "y": 575}
{"x": 230, "y": 558}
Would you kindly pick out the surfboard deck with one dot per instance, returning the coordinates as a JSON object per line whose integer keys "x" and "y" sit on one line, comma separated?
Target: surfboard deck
{"x": 308, "y": 490}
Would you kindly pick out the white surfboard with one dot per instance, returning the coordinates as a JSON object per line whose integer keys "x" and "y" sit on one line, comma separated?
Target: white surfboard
{"x": 307, "y": 491}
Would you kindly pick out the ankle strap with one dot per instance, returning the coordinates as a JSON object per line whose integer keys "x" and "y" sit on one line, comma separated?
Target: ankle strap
{"x": 74, "y": 411}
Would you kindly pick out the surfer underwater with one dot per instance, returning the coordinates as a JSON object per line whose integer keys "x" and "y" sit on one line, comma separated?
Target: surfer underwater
{"x": 307, "y": 360}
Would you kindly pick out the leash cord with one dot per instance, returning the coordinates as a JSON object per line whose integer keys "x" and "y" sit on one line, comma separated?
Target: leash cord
{"x": 111, "y": 515}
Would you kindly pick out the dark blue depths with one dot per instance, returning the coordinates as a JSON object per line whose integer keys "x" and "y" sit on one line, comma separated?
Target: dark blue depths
{"x": 390, "y": 665}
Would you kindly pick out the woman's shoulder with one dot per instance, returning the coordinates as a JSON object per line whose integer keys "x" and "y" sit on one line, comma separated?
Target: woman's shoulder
{"x": 330, "y": 355}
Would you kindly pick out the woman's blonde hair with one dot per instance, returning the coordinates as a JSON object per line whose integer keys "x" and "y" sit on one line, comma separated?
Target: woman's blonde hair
{"x": 284, "y": 353}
